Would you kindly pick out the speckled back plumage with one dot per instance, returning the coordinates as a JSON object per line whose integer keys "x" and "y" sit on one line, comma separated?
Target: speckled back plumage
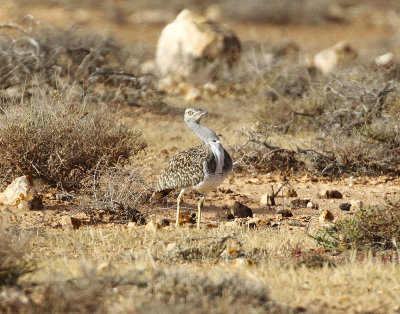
{"x": 186, "y": 168}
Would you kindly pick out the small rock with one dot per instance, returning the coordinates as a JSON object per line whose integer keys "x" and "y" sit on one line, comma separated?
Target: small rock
{"x": 356, "y": 204}
{"x": 192, "y": 95}
{"x": 241, "y": 211}
{"x": 304, "y": 218}
{"x": 132, "y": 225}
{"x": 184, "y": 219}
{"x": 63, "y": 197}
{"x": 172, "y": 247}
{"x": 285, "y": 212}
{"x": 300, "y": 203}
{"x": 37, "y": 202}
{"x": 76, "y": 222}
{"x": 65, "y": 222}
{"x": 329, "y": 194}
{"x": 275, "y": 224}
{"x": 264, "y": 200}
{"x": 230, "y": 216}
{"x": 312, "y": 205}
{"x": 152, "y": 226}
{"x": 326, "y": 216}
{"x": 345, "y": 206}
{"x": 241, "y": 261}
{"x": 339, "y": 55}
{"x": 384, "y": 59}
{"x": 295, "y": 223}
{"x": 163, "y": 222}
{"x": 289, "y": 192}
{"x": 231, "y": 253}
{"x": 20, "y": 193}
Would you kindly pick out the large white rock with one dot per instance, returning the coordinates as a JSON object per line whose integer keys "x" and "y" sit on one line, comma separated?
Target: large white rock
{"x": 339, "y": 55}
{"x": 196, "y": 48}
{"x": 19, "y": 193}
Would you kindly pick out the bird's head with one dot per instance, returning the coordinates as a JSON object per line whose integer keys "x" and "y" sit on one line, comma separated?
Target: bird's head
{"x": 193, "y": 115}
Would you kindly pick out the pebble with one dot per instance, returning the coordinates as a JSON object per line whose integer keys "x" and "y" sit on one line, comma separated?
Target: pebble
{"x": 329, "y": 194}
{"x": 241, "y": 211}
{"x": 295, "y": 223}
{"x": 163, "y": 222}
{"x": 290, "y": 192}
{"x": 240, "y": 262}
{"x": 285, "y": 212}
{"x": 301, "y": 203}
{"x": 326, "y": 216}
{"x": 152, "y": 226}
{"x": 345, "y": 206}
{"x": 63, "y": 197}
{"x": 356, "y": 204}
{"x": 264, "y": 200}
{"x": 312, "y": 205}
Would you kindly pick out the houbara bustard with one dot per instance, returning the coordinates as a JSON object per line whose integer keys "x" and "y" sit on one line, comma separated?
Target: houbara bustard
{"x": 200, "y": 168}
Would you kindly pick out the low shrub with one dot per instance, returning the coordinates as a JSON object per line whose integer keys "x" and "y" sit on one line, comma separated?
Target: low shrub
{"x": 369, "y": 229}
{"x": 61, "y": 142}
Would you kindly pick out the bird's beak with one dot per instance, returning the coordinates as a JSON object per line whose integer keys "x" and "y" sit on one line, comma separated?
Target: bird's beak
{"x": 204, "y": 112}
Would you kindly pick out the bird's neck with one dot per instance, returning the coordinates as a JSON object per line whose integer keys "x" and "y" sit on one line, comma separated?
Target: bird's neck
{"x": 201, "y": 131}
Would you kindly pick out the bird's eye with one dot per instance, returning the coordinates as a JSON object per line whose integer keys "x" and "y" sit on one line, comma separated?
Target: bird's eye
{"x": 190, "y": 113}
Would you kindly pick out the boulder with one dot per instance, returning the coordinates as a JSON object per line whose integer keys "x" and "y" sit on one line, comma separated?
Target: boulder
{"x": 196, "y": 48}
{"x": 329, "y": 59}
{"x": 20, "y": 193}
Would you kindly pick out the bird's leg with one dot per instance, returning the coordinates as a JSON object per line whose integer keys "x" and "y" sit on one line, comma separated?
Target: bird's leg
{"x": 199, "y": 207}
{"x": 178, "y": 207}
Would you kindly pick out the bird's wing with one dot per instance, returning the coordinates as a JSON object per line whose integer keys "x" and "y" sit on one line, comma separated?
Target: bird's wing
{"x": 185, "y": 169}
{"x": 228, "y": 165}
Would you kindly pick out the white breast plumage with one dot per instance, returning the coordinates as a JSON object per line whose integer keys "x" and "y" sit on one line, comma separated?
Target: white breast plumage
{"x": 212, "y": 180}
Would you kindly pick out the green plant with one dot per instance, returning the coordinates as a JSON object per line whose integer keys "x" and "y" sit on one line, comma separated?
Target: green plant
{"x": 369, "y": 229}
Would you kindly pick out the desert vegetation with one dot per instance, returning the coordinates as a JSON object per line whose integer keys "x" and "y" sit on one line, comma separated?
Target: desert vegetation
{"x": 85, "y": 115}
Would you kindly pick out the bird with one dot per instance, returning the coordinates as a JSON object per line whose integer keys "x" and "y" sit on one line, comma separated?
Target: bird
{"x": 200, "y": 168}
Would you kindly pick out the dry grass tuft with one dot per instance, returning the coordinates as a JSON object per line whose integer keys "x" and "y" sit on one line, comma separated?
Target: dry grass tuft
{"x": 120, "y": 191}
{"x": 72, "y": 59}
{"x": 61, "y": 143}
{"x": 13, "y": 261}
